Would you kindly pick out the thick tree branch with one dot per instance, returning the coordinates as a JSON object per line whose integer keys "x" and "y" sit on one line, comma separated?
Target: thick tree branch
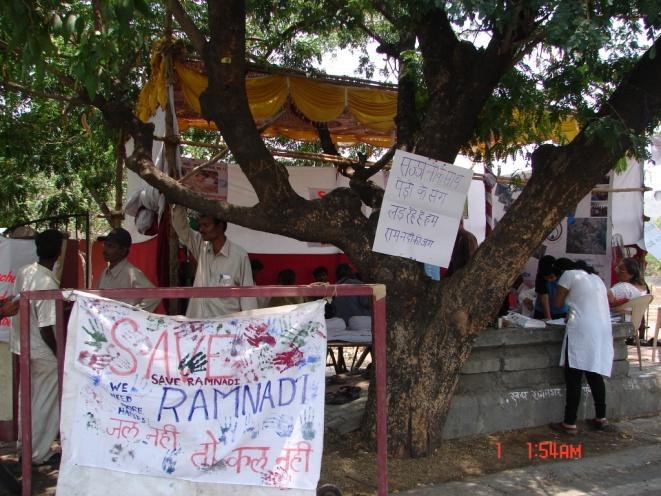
{"x": 325, "y": 139}
{"x": 384, "y": 10}
{"x": 194, "y": 34}
{"x": 226, "y": 103}
{"x": 12, "y": 86}
{"x": 99, "y": 21}
{"x": 563, "y": 176}
{"x": 103, "y": 206}
{"x": 461, "y": 77}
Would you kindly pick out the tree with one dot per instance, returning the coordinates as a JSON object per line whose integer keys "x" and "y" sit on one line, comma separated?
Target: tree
{"x": 51, "y": 165}
{"x": 451, "y": 93}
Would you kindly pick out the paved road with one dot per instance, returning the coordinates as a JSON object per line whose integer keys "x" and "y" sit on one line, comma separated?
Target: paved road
{"x": 632, "y": 472}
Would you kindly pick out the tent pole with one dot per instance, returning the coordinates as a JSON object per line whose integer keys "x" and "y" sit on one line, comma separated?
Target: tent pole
{"x": 171, "y": 160}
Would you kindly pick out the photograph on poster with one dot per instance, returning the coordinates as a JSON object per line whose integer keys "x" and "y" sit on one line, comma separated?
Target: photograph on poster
{"x": 211, "y": 180}
{"x": 599, "y": 205}
{"x": 587, "y": 236}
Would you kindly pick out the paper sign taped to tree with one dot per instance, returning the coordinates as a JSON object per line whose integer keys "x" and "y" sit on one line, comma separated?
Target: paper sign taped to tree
{"x": 421, "y": 209}
{"x": 237, "y": 400}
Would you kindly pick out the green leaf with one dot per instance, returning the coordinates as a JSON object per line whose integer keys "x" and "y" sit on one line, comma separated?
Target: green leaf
{"x": 91, "y": 85}
{"x": 142, "y": 7}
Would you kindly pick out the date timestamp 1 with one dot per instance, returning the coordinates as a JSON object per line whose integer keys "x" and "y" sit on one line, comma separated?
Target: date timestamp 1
{"x": 548, "y": 450}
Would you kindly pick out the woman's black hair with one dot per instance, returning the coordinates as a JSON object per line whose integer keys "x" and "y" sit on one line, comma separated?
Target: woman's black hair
{"x": 632, "y": 267}
{"x": 582, "y": 265}
{"x": 544, "y": 269}
{"x": 545, "y": 265}
{"x": 561, "y": 265}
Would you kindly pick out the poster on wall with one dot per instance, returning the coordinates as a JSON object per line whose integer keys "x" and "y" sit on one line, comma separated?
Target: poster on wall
{"x": 421, "y": 208}
{"x": 235, "y": 400}
{"x": 14, "y": 254}
{"x": 210, "y": 180}
{"x": 585, "y": 234}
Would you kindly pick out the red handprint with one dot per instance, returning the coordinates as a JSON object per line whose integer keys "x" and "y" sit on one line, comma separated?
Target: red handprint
{"x": 259, "y": 334}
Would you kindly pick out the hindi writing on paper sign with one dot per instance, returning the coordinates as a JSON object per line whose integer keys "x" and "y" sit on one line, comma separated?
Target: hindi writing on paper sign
{"x": 421, "y": 209}
{"x": 237, "y": 400}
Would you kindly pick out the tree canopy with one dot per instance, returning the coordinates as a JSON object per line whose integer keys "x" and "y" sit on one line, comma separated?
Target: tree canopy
{"x": 475, "y": 76}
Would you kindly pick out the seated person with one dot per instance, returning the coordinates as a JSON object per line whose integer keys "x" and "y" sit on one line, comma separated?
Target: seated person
{"x": 630, "y": 283}
{"x": 286, "y": 277}
{"x": 545, "y": 286}
{"x": 257, "y": 266}
{"x": 320, "y": 274}
{"x": 349, "y": 306}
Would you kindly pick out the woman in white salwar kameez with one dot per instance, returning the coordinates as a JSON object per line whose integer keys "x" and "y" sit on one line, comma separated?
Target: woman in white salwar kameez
{"x": 587, "y": 347}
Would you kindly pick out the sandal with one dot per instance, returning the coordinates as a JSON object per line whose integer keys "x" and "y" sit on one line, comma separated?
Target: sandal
{"x": 562, "y": 428}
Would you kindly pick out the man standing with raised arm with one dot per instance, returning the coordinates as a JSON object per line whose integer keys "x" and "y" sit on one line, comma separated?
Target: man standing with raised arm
{"x": 219, "y": 263}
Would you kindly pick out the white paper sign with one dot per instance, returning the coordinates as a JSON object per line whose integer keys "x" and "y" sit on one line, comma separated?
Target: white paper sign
{"x": 421, "y": 209}
{"x": 653, "y": 240}
{"x": 237, "y": 400}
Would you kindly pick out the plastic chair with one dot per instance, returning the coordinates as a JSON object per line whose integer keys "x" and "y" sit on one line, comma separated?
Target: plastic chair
{"x": 655, "y": 338}
{"x": 636, "y": 307}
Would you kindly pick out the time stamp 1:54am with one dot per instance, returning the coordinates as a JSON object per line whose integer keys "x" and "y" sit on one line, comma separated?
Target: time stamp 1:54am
{"x": 548, "y": 450}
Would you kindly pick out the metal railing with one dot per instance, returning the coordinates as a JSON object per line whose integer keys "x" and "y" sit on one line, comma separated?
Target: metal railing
{"x": 377, "y": 293}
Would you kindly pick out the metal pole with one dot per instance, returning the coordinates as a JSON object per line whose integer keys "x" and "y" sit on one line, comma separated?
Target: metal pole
{"x": 26, "y": 397}
{"x": 379, "y": 333}
{"x": 88, "y": 251}
{"x": 60, "y": 343}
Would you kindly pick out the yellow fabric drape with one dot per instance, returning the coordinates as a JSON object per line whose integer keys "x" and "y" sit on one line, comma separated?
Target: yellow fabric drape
{"x": 266, "y": 95}
{"x": 375, "y": 109}
{"x": 192, "y": 85}
{"x": 319, "y": 102}
{"x": 154, "y": 94}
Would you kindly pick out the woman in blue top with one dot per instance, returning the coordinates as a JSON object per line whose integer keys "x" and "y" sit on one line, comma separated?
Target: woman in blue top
{"x": 545, "y": 286}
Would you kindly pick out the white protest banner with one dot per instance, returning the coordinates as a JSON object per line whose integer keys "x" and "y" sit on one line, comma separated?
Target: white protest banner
{"x": 14, "y": 254}
{"x": 235, "y": 400}
{"x": 421, "y": 209}
{"x": 652, "y": 236}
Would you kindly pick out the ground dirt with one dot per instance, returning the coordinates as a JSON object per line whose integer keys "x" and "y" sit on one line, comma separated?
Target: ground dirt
{"x": 348, "y": 465}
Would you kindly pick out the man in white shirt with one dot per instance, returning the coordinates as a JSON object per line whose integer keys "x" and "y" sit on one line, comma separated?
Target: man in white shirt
{"x": 219, "y": 263}
{"x": 122, "y": 274}
{"x": 43, "y": 361}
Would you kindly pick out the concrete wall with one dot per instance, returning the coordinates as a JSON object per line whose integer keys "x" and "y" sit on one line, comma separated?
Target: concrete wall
{"x": 512, "y": 380}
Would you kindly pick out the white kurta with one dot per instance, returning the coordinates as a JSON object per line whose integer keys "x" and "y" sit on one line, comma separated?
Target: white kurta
{"x": 626, "y": 291}
{"x": 43, "y": 364}
{"x": 589, "y": 334}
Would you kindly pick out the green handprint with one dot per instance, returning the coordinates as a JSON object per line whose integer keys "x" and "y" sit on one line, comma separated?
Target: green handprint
{"x": 189, "y": 365}
{"x": 97, "y": 335}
